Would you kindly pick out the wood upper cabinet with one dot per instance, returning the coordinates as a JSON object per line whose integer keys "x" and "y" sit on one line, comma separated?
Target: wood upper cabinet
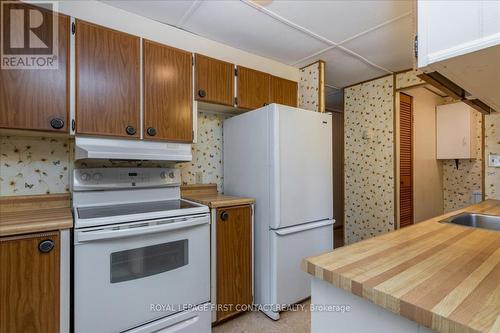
{"x": 29, "y": 284}
{"x": 214, "y": 80}
{"x": 107, "y": 81}
{"x": 234, "y": 258}
{"x": 253, "y": 88}
{"x": 167, "y": 93}
{"x": 283, "y": 91}
{"x": 38, "y": 99}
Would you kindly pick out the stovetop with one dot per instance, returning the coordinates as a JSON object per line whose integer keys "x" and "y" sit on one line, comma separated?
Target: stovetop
{"x": 133, "y": 208}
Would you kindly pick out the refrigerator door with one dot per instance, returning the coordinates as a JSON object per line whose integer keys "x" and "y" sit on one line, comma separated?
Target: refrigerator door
{"x": 289, "y": 283}
{"x": 301, "y": 166}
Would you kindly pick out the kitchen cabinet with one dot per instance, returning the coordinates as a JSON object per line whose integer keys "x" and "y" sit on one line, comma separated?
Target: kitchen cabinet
{"x": 455, "y": 131}
{"x": 107, "y": 81}
{"x": 253, "y": 88}
{"x": 29, "y": 283}
{"x": 214, "y": 81}
{"x": 167, "y": 93}
{"x": 38, "y": 99}
{"x": 462, "y": 44}
{"x": 234, "y": 258}
{"x": 283, "y": 91}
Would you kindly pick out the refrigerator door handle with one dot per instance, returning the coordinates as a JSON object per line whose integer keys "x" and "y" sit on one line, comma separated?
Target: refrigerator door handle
{"x": 303, "y": 227}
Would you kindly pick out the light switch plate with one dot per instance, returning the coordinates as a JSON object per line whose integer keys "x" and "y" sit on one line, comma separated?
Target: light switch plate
{"x": 494, "y": 160}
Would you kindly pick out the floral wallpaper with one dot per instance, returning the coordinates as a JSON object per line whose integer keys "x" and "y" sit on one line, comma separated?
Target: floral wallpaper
{"x": 369, "y": 160}
{"x": 408, "y": 79}
{"x": 459, "y": 184}
{"x": 492, "y": 145}
{"x": 207, "y": 152}
{"x": 309, "y": 87}
{"x": 34, "y": 165}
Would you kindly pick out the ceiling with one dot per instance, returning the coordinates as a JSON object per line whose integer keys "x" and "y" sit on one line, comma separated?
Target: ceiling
{"x": 358, "y": 40}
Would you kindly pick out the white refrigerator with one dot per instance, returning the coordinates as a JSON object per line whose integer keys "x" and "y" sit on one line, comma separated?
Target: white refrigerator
{"x": 282, "y": 156}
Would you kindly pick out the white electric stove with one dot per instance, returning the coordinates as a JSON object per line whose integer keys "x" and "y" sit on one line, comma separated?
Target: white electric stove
{"x": 141, "y": 254}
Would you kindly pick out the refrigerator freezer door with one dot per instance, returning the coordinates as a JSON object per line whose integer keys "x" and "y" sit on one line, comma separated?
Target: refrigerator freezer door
{"x": 289, "y": 284}
{"x": 301, "y": 167}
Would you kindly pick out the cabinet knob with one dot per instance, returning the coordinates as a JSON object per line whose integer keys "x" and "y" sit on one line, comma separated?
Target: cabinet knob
{"x": 202, "y": 93}
{"x": 57, "y": 123}
{"x": 265, "y": 104}
{"x": 151, "y": 131}
{"x": 46, "y": 246}
{"x": 224, "y": 216}
{"x": 130, "y": 130}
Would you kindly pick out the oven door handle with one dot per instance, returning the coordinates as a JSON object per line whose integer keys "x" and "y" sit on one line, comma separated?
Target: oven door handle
{"x": 109, "y": 233}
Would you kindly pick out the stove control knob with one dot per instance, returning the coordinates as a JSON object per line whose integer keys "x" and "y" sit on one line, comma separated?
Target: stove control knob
{"x": 84, "y": 176}
{"x": 171, "y": 175}
{"x": 163, "y": 175}
{"x": 97, "y": 176}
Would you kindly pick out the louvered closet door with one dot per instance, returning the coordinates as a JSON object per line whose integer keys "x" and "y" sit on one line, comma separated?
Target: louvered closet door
{"x": 405, "y": 161}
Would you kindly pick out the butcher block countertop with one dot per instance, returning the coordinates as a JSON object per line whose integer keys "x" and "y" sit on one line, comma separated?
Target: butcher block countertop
{"x": 37, "y": 213}
{"x": 206, "y": 194}
{"x": 440, "y": 275}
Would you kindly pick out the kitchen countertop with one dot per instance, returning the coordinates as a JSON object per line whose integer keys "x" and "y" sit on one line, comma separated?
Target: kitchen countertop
{"x": 206, "y": 194}
{"x": 443, "y": 276}
{"x": 37, "y": 213}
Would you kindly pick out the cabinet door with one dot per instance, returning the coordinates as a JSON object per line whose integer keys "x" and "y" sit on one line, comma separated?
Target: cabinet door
{"x": 283, "y": 91}
{"x": 214, "y": 80}
{"x": 253, "y": 88}
{"x": 167, "y": 93}
{"x": 107, "y": 81}
{"x": 29, "y": 284}
{"x": 234, "y": 258}
{"x": 38, "y": 99}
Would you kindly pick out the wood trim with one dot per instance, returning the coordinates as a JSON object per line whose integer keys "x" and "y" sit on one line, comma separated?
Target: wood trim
{"x": 412, "y": 86}
{"x": 395, "y": 131}
{"x": 312, "y": 63}
{"x": 483, "y": 157}
{"x": 34, "y": 202}
{"x": 321, "y": 88}
{"x": 366, "y": 81}
{"x": 403, "y": 71}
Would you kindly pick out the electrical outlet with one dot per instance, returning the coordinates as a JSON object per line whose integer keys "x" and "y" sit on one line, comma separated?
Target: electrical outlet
{"x": 199, "y": 177}
{"x": 494, "y": 160}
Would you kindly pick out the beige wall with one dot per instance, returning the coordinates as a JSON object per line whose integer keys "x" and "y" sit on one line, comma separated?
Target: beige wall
{"x": 427, "y": 170}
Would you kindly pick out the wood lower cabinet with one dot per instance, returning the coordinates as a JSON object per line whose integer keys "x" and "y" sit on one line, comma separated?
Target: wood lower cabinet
{"x": 214, "y": 81}
{"x": 107, "y": 81}
{"x": 29, "y": 283}
{"x": 38, "y": 99}
{"x": 283, "y": 91}
{"x": 253, "y": 88}
{"x": 168, "y": 95}
{"x": 233, "y": 258}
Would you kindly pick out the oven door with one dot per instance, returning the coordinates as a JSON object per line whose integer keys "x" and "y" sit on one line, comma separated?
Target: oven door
{"x": 131, "y": 274}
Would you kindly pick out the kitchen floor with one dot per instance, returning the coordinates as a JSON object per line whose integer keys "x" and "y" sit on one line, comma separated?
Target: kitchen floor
{"x": 257, "y": 322}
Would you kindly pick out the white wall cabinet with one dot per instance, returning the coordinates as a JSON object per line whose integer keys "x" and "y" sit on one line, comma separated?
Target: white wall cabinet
{"x": 461, "y": 41}
{"x": 455, "y": 132}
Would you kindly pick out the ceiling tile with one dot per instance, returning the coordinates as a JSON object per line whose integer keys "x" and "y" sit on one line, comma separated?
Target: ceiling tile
{"x": 390, "y": 46}
{"x": 241, "y": 26}
{"x": 339, "y": 20}
{"x": 343, "y": 69}
{"x": 170, "y": 12}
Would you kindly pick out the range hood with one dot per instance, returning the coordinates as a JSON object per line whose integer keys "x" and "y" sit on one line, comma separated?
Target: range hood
{"x": 121, "y": 149}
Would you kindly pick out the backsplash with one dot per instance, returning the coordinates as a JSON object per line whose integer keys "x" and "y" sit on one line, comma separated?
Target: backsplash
{"x": 492, "y": 145}
{"x": 207, "y": 152}
{"x": 459, "y": 184}
{"x": 369, "y": 166}
{"x": 34, "y": 165}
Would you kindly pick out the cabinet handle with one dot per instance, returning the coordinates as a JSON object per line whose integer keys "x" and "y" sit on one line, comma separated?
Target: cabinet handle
{"x": 46, "y": 246}
{"x": 265, "y": 104}
{"x": 224, "y": 216}
{"x": 151, "y": 131}
{"x": 57, "y": 123}
{"x": 202, "y": 93}
{"x": 130, "y": 130}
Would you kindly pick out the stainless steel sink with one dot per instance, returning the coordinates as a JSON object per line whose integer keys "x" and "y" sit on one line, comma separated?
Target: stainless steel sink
{"x": 490, "y": 222}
